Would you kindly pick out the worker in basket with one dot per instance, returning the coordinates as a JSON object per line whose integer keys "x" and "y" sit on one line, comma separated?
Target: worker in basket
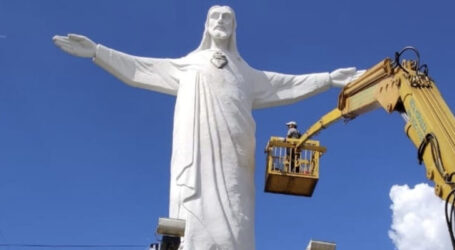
{"x": 291, "y": 154}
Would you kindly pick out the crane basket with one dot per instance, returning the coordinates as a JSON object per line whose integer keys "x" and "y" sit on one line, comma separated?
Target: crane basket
{"x": 290, "y": 169}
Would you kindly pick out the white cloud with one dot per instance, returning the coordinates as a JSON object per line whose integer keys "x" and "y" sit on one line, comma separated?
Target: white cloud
{"x": 418, "y": 220}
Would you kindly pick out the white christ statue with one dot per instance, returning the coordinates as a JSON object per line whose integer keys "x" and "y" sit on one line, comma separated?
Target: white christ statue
{"x": 212, "y": 166}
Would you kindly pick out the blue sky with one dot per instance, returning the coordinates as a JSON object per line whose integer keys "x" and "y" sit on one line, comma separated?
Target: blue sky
{"x": 84, "y": 159}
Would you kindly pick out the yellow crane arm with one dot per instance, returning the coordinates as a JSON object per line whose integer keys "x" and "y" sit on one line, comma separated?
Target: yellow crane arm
{"x": 356, "y": 98}
{"x": 402, "y": 87}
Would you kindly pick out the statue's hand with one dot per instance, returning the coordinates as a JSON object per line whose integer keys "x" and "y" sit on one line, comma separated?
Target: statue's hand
{"x": 76, "y": 45}
{"x": 341, "y": 77}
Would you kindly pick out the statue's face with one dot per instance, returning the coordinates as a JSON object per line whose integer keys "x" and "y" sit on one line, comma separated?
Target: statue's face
{"x": 220, "y": 23}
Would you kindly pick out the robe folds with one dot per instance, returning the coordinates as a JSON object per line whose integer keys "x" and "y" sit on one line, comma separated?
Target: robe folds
{"x": 212, "y": 165}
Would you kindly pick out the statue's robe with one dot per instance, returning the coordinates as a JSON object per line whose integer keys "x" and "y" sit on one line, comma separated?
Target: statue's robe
{"x": 212, "y": 166}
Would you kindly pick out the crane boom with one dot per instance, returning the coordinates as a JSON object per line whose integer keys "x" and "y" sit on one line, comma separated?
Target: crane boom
{"x": 404, "y": 88}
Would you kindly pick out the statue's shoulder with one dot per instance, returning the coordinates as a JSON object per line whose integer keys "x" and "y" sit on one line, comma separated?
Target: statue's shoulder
{"x": 197, "y": 55}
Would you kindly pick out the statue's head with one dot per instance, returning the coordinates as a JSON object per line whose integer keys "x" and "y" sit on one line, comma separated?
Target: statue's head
{"x": 220, "y": 24}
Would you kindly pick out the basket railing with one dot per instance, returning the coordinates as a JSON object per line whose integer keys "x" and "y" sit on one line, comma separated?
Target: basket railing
{"x": 284, "y": 157}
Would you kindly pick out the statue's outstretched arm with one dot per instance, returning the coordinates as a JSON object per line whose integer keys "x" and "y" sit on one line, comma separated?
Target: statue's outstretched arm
{"x": 155, "y": 74}
{"x": 274, "y": 89}
{"x": 76, "y": 45}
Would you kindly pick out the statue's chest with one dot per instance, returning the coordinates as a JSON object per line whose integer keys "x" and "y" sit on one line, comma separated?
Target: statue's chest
{"x": 230, "y": 84}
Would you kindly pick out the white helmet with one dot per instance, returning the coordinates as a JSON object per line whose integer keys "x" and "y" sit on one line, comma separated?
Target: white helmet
{"x": 291, "y": 123}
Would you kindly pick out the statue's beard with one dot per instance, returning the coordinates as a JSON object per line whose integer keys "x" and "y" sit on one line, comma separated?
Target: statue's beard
{"x": 220, "y": 35}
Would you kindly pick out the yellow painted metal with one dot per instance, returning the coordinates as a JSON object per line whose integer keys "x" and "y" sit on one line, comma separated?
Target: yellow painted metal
{"x": 324, "y": 122}
{"x": 406, "y": 90}
{"x": 359, "y": 96}
{"x": 429, "y": 114}
{"x": 296, "y": 175}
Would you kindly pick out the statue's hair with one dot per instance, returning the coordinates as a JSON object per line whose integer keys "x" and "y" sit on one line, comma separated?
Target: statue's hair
{"x": 206, "y": 40}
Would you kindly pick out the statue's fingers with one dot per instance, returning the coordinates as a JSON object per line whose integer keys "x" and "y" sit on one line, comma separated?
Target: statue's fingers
{"x": 76, "y": 37}
{"x": 56, "y": 38}
{"x": 61, "y": 42}
{"x": 58, "y": 43}
{"x": 59, "y": 39}
{"x": 69, "y": 50}
{"x": 357, "y": 74}
{"x": 66, "y": 47}
{"x": 350, "y": 70}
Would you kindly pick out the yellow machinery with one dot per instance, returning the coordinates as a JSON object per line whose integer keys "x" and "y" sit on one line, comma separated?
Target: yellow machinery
{"x": 405, "y": 87}
{"x": 290, "y": 169}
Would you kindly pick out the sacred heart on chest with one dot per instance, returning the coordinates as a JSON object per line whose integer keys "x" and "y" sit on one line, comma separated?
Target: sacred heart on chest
{"x": 219, "y": 60}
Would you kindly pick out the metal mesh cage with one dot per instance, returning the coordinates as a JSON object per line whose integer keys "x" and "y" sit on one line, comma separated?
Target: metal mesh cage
{"x": 290, "y": 169}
